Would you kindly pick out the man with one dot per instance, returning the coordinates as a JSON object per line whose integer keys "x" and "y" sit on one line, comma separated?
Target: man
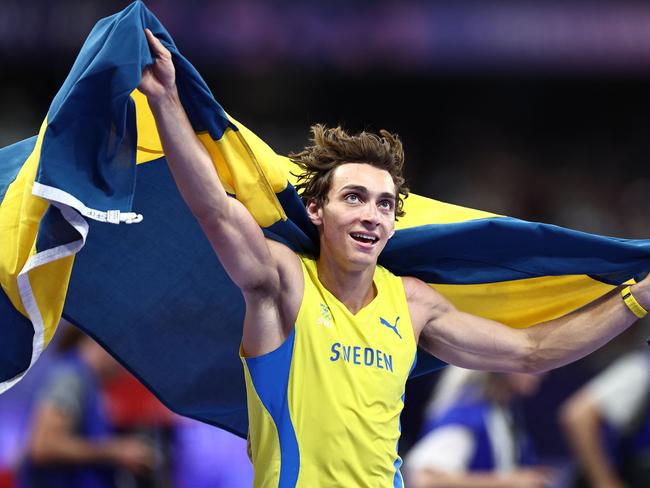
{"x": 72, "y": 443}
{"x": 607, "y": 423}
{"x": 479, "y": 439}
{"x": 328, "y": 343}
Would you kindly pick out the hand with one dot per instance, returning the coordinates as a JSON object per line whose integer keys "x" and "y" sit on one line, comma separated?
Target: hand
{"x": 132, "y": 453}
{"x": 159, "y": 78}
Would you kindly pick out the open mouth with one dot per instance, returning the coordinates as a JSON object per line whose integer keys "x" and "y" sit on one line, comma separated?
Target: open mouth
{"x": 364, "y": 238}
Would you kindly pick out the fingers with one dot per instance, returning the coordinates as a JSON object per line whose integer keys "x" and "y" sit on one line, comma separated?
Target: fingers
{"x": 155, "y": 44}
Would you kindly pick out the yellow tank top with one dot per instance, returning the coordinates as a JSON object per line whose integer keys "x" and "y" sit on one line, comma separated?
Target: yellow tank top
{"x": 324, "y": 407}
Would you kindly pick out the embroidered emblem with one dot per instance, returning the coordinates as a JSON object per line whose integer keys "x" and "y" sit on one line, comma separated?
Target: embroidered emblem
{"x": 325, "y": 316}
{"x": 391, "y": 326}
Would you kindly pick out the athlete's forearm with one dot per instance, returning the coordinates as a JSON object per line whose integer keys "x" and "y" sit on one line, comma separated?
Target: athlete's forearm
{"x": 569, "y": 338}
{"x": 477, "y": 343}
{"x": 189, "y": 161}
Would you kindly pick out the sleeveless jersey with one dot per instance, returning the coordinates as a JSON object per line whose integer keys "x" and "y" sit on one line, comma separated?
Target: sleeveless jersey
{"x": 324, "y": 408}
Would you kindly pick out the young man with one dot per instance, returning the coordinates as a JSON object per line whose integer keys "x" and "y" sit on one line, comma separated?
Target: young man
{"x": 328, "y": 343}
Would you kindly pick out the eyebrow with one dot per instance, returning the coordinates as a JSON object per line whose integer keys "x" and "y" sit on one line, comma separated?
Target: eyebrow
{"x": 364, "y": 190}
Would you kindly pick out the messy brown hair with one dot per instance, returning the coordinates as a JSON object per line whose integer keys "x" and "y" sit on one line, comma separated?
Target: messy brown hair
{"x": 332, "y": 147}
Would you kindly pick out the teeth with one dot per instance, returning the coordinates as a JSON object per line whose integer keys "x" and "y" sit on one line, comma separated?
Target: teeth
{"x": 364, "y": 236}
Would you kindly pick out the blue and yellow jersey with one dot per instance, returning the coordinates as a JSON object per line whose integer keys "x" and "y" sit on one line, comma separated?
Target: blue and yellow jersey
{"x": 324, "y": 408}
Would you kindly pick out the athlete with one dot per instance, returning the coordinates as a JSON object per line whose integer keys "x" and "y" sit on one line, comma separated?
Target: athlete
{"x": 329, "y": 340}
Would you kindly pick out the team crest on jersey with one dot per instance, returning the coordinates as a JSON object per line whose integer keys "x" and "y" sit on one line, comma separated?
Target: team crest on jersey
{"x": 392, "y": 327}
{"x": 325, "y": 316}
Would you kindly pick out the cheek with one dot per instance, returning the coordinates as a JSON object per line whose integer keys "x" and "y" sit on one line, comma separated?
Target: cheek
{"x": 389, "y": 225}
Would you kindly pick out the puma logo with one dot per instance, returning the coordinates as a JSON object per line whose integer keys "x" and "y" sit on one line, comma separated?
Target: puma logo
{"x": 391, "y": 326}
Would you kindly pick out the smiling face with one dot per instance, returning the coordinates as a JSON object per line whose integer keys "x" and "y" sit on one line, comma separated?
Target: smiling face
{"x": 358, "y": 217}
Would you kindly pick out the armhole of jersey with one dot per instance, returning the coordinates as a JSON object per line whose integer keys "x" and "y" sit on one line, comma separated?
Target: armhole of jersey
{"x": 293, "y": 328}
{"x": 306, "y": 288}
{"x": 402, "y": 293}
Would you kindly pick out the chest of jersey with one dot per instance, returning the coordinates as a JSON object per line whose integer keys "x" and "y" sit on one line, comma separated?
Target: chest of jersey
{"x": 324, "y": 407}
{"x": 367, "y": 355}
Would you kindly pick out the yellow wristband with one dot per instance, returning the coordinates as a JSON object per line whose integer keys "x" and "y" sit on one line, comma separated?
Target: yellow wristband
{"x": 632, "y": 304}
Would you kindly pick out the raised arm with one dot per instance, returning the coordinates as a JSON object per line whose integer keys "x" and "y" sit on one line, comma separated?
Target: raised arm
{"x": 257, "y": 267}
{"x": 477, "y": 343}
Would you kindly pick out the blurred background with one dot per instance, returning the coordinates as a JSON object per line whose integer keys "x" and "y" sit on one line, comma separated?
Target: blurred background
{"x": 533, "y": 109}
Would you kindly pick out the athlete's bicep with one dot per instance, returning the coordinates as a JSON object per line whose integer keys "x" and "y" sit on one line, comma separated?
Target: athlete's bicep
{"x": 463, "y": 339}
{"x": 475, "y": 343}
{"x": 241, "y": 247}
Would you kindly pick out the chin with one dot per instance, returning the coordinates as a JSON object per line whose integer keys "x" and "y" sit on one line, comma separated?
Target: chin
{"x": 363, "y": 259}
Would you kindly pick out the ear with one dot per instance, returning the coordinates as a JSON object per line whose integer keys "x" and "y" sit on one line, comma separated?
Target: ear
{"x": 314, "y": 212}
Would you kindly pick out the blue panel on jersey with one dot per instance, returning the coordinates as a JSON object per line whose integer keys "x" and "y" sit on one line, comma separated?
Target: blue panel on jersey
{"x": 270, "y": 376}
{"x": 398, "y": 481}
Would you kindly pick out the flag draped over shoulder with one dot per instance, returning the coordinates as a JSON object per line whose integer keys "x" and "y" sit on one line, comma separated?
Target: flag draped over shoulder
{"x": 154, "y": 293}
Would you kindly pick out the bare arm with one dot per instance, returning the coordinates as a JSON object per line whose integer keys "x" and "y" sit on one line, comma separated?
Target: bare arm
{"x": 53, "y": 441}
{"x": 477, "y": 343}
{"x": 268, "y": 274}
{"x": 581, "y": 421}
{"x": 232, "y": 231}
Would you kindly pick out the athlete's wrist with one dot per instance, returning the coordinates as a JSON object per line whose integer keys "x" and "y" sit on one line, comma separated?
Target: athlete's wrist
{"x": 641, "y": 293}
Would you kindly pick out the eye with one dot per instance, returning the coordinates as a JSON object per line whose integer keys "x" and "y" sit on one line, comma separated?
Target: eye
{"x": 352, "y": 198}
{"x": 386, "y": 205}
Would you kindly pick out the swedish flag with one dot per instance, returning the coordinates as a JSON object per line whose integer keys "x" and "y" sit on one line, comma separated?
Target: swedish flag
{"x": 155, "y": 295}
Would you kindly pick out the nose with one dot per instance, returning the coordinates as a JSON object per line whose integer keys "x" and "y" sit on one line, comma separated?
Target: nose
{"x": 370, "y": 215}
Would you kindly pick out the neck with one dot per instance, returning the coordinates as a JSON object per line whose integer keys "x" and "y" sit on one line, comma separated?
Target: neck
{"x": 353, "y": 288}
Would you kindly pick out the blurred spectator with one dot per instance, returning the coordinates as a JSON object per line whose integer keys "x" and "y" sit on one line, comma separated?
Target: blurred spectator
{"x": 478, "y": 439}
{"x": 71, "y": 443}
{"x": 607, "y": 423}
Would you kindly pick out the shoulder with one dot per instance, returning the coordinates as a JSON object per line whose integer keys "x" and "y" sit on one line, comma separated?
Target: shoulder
{"x": 417, "y": 290}
{"x": 631, "y": 371}
{"x": 424, "y": 302}
{"x": 64, "y": 389}
{"x": 622, "y": 389}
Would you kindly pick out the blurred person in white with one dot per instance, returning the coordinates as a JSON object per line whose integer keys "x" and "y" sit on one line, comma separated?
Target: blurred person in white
{"x": 477, "y": 438}
{"x": 71, "y": 443}
{"x": 607, "y": 423}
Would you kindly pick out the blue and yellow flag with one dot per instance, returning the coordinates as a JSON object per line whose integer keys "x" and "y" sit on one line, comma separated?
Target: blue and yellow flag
{"x": 154, "y": 293}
